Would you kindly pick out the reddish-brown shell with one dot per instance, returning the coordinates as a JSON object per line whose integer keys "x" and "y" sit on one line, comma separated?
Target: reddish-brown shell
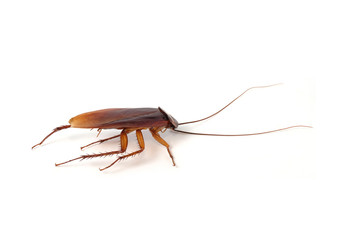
{"x": 120, "y": 118}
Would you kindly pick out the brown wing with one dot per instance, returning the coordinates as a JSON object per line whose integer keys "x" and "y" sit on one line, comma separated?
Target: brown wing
{"x": 120, "y": 118}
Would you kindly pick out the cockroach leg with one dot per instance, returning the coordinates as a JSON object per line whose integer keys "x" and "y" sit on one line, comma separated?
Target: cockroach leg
{"x": 100, "y": 141}
{"x": 156, "y": 136}
{"x": 141, "y": 142}
{"x": 99, "y": 131}
{"x": 82, "y": 157}
{"x": 54, "y": 131}
{"x": 123, "y": 143}
{"x": 124, "y": 139}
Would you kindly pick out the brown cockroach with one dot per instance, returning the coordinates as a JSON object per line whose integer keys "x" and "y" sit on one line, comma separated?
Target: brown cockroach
{"x": 137, "y": 119}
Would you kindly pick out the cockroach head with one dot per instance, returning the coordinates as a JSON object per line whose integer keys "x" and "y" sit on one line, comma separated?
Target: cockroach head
{"x": 173, "y": 123}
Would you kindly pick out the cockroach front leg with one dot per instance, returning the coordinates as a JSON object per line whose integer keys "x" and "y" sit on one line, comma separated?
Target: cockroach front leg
{"x": 155, "y": 134}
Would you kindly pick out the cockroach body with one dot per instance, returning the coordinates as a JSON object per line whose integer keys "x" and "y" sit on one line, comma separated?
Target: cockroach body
{"x": 121, "y": 118}
{"x": 127, "y": 120}
{"x": 135, "y": 119}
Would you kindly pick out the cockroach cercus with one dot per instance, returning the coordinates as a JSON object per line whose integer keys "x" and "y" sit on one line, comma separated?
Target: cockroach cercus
{"x": 137, "y": 119}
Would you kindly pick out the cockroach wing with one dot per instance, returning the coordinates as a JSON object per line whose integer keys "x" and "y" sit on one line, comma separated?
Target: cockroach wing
{"x": 120, "y": 118}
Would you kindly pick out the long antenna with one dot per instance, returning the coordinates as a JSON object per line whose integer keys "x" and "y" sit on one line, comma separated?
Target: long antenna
{"x": 226, "y": 105}
{"x": 237, "y": 135}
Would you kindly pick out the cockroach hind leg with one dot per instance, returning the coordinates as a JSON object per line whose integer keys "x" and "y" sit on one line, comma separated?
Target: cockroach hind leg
{"x": 54, "y": 131}
{"x": 99, "y": 141}
{"x": 82, "y": 157}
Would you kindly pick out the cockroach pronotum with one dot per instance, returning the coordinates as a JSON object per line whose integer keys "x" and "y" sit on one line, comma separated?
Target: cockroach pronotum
{"x": 137, "y": 119}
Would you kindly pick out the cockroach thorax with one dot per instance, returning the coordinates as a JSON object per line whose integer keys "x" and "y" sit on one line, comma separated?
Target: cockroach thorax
{"x": 174, "y": 123}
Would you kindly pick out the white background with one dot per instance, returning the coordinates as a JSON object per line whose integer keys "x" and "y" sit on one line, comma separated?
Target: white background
{"x": 59, "y": 59}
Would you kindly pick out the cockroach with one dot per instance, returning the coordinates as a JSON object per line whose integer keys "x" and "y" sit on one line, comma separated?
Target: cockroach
{"x": 137, "y": 119}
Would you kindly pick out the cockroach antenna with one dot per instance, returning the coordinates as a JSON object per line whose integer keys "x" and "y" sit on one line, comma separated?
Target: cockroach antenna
{"x": 235, "y": 135}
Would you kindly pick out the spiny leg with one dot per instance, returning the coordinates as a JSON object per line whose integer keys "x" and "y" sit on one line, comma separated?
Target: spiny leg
{"x": 123, "y": 139}
{"x": 141, "y": 142}
{"x": 100, "y": 141}
{"x": 156, "y": 136}
{"x": 123, "y": 143}
{"x": 54, "y": 131}
{"x": 82, "y": 157}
